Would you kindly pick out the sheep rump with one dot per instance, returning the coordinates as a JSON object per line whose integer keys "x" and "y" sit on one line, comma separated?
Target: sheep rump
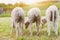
{"x": 17, "y": 16}
{"x": 52, "y": 15}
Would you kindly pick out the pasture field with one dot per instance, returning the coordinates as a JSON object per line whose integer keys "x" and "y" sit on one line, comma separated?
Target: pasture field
{"x": 6, "y": 24}
{"x": 5, "y": 29}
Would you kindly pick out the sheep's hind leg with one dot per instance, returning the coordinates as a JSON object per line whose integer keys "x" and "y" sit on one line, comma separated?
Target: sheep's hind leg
{"x": 16, "y": 25}
{"x": 37, "y": 25}
{"x": 21, "y": 28}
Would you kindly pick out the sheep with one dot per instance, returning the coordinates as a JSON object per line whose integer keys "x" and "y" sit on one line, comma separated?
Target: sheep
{"x": 17, "y": 16}
{"x": 52, "y": 15}
{"x": 33, "y": 16}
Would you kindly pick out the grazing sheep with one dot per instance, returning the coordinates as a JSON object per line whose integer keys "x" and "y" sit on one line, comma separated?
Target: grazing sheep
{"x": 33, "y": 16}
{"x": 17, "y": 15}
{"x": 52, "y": 14}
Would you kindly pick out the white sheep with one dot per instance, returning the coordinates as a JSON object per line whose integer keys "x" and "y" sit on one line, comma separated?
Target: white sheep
{"x": 52, "y": 14}
{"x": 33, "y": 16}
{"x": 17, "y": 15}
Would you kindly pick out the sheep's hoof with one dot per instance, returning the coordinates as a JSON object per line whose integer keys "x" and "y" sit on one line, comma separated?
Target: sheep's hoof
{"x": 56, "y": 36}
{"x": 48, "y": 34}
{"x": 31, "y": 34}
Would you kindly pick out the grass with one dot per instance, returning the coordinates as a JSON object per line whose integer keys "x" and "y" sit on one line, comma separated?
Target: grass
{"x": 5, "y": 15}
{"x": 5, "y": 29}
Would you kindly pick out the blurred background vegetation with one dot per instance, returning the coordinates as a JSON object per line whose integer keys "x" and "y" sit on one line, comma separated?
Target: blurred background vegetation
{"x": 5, "y": 9}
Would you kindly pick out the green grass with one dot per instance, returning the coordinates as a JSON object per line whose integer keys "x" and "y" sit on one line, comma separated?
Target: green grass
{"x": 5, "y": 15}
{"x": 5, "y": 29}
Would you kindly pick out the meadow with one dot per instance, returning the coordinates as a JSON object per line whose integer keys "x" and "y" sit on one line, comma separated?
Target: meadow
{"x": 5, "y": 29}
{"x": 6, "y": 24}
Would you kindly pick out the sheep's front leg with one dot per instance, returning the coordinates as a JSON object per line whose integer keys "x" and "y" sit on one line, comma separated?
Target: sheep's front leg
{"x": 37, "y": 25}
{"x": 31, "y": 29}
{"x": 48, "y": 29}
{"x": 16, "y": 25}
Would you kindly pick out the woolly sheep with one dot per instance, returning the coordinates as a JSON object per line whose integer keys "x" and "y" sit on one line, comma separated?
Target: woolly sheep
{"x": 17, "y": 15}
{"x": 52, "y": 15}
{"x": 33, "y": 16}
